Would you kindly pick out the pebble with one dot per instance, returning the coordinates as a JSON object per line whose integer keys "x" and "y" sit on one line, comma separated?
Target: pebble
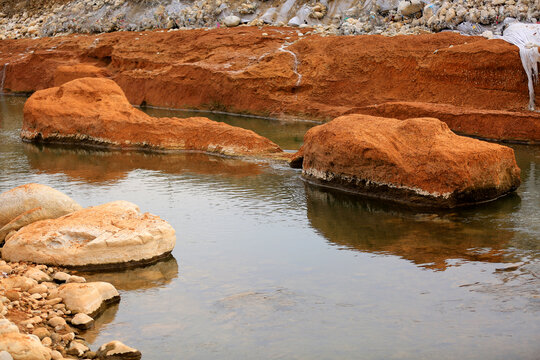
{"x": 61, "y": 277}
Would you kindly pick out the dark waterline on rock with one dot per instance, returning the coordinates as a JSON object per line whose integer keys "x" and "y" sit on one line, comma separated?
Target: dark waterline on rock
{"x": 267, "y": 266}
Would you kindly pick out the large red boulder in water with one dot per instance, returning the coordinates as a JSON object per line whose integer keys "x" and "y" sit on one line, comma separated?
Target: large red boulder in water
{"x": 95, "y": 111}
{"x": 415, "y": 161}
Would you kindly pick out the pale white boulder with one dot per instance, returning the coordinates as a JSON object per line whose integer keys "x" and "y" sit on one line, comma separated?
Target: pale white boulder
{"x": 29, "y": 203}
{"x": 109, "y": 235}
{"x": 88, "y": 298}
{"x": 114, "y": 350}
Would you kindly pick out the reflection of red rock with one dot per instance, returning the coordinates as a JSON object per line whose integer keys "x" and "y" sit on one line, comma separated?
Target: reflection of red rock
{"x": 96, "y": 166}
{"x": 96, "y": 112}
{"x": 241, "y": 70}
{"x": 428, "y": 240}
{"x": 414, "y": 161}
{"x": 66, "y": 73}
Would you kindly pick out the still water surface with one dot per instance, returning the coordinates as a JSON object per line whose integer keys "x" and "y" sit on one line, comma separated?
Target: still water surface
{"x": 268, "y": 267}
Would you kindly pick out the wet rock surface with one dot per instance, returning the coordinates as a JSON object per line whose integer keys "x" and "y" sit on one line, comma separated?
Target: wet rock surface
{"x": 95, "y": 112}
{"x": 418, "y": 162}
{"x": 115, "y": 235}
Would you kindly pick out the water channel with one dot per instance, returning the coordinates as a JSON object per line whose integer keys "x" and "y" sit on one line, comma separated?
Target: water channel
{"x": 268, "y": 267}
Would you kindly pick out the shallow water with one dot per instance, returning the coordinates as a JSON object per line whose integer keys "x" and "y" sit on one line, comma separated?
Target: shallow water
{"x": 268, "y": 267}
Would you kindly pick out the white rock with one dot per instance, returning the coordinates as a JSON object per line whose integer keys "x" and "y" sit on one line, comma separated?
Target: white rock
{"x": 4, "y": 355}
{"x": 37, "y": 275}
{"x": 61, "y": 276}
{"x": 7, "y": 326}
{"x": 77, "y": 349}
{"x": 117, "y": 350}
{"x": 231, "y": 21}
{"x": 29, "y": 203}
{"x": 487, "y": 34}
{"x": 86, "y": 298}
{"x": 76, "y": 279}
{"x": 82, "y": 321}
{"x": 24, "y": 347}
{"x": 407, "y": 8}
{"x": 21, "y": 282}
{"x": 111, "y": 234}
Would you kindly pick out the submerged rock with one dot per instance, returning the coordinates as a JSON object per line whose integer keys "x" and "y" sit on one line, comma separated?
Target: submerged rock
{"x": 28, "y": 203}
{"x": 95, "y": 111}
{"x": 418, "y": 162}
{"x": 111, "y": 235}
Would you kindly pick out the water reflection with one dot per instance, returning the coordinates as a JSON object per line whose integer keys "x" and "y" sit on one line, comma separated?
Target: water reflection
{"x": 140, "y": 278}
{"x": 429, "y": 240}
{"x": 289, "y": 135}
{"x": 102, "y": 166}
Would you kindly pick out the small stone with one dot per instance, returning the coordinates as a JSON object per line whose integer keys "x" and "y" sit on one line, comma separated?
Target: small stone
{"x": 38, "y": 275}
{"x": 82, "y": 321}
{"x": 115, "y": 350}
{"x": 38, "y": 289}
{"x": 77, "y": 349}
{"x": 41, "y": 332}
{"x": 36, "y": 296}
{"x": 76, "y": 279}
{"x": 46, "y": 341}
{"x": 61, "y": 277}
{"x": 68, "y": 337}
{"x": 56, "y": 355}
{"x": 54, "y": 301}
{"x": 7, "y": 326}
{"x": 12, "y": 295}
{"x": 57, "y": 321}
{"x": 231, "y": 21}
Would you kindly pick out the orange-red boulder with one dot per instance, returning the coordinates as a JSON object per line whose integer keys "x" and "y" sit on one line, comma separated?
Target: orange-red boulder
{"x": 508, "y": 126}
{"x": 95, "y": 111}
{"x": 419, "y": 162}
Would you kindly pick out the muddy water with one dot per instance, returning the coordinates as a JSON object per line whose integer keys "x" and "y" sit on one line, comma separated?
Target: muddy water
{"x": 267, "y": 267}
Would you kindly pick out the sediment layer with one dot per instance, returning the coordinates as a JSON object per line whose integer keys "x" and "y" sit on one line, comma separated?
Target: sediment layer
{"x": 283, "y": 72}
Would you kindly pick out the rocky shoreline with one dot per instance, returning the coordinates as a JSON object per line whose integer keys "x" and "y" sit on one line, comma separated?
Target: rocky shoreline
{"x": 40, "y": 319}
{"x": 44, "y": 308}
{"x": 337, "y": 17}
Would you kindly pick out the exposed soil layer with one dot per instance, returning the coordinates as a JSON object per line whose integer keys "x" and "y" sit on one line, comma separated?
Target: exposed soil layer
{"x": 277, "y": 72}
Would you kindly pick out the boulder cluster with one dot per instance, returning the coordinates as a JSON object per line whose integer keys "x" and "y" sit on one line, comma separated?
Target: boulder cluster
{"x": 43, "y": 307}
{"x": 387, "y": 17}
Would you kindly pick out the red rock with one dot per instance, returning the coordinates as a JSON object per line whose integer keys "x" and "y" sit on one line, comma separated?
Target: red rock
{"x": 95, "y": 112}
{"x": 240, "y": 70}
{"x": 418, "y": 162}
{"x": 520, "y": 127}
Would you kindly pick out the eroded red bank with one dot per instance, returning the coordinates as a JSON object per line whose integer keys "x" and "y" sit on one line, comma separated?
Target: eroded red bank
{"x": 477, "y": 86}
